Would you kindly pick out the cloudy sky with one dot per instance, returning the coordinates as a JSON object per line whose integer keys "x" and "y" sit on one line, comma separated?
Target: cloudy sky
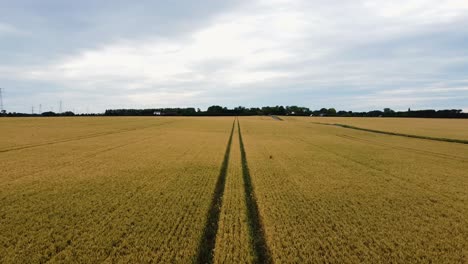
{"x": 348, "y": 54}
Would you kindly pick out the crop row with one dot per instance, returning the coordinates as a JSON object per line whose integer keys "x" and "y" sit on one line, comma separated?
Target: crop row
{"x": 328, "y": 198}
{"x": 179, "y": 190}
{"x": 134, "y": 197}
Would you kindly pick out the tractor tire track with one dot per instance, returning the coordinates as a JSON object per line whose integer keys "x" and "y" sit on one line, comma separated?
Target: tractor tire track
{"x": 401, "y": 181}
{"x": 207, "y": 243}
{"x": 418, "y": 151}
{"x": 451, "y": 140}
{"x": 78, "y": 161}
{"x": 118, "y": 211}
{"x": 255, "y": 225}
{"x": 78, "y": 138}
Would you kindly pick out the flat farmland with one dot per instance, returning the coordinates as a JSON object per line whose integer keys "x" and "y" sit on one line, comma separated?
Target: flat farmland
{"x": 137, "y": 193}
{"x": 426, "y": 127}
{"x": 231, "y": 190}
{"x": 338, "y": 195}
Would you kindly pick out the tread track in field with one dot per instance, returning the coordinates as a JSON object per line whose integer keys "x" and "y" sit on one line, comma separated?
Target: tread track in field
{"x": 380, "y": 170}
{"x": 255, "y": 227}
{"x": 207, "y": 243}
{"x": 78, "y": 160}
{"x": 451, "y": 140}
{"x": 257, "y": 232}
{"x": 77, "y": 138}
{"x": 419, "y": 151}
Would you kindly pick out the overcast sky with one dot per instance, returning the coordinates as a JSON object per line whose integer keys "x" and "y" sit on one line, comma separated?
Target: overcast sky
{"x": 348, "y": 54}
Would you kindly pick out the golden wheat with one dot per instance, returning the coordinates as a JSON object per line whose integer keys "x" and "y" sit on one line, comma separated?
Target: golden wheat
{"x": 134, "y": 196}
{"x": 181, "y": 190}
{"x": 232, "y": 240}
{"x": 428, "y": 127}
{"x": 331, "y": 194}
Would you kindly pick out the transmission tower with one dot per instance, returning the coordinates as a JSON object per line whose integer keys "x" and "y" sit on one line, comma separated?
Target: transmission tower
{"x": 60, "y": 107}
{"x": 1, "y": 102}
{"x": 40, "y": 108}
{"x": 32, "y": 110}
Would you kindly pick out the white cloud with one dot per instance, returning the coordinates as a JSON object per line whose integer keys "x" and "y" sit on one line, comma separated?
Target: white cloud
{"x": 239, "y": 44}
{"x": 272, "y": 44}
{"x": 6, "y": 29}
{"x": 163, "y": 99}
{"x": 413, "y": 91}
{"x": 420, "y": 11}
{"x": 399, "y": 102}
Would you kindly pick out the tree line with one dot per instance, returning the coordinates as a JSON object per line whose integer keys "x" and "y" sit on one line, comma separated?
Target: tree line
{"x": 46, "y": 114}
{"x": 293, "y": 110}
{"x": 217, "y": 110}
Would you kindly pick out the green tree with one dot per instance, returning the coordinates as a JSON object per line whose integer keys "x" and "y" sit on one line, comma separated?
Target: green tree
{"x": 331, "y": 112}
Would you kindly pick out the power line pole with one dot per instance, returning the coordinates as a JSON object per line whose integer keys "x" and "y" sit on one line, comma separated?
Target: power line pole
{"x": 1, "y": 102}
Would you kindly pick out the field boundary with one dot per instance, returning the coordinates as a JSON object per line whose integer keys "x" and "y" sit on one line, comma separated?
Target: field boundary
{"x": 81, "y": 160}
{"x": 89, "y": 136}
{"x": 256, "y": 230}
{"x": 276, "y": 117}
{"x": 452, "y": 140}
{"x": 413, "y": 150}
{"x": 208, "y": 240}
{"x": 405, "y": 181}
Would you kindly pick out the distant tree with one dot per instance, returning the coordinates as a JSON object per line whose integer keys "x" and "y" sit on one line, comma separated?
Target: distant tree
{"x": 374, "y": 113}
{"x": 388, "y": 112}
{"x": 343, "y": 113}
{"x": 215, "y": 109}
{"x": 274, "y": 110}
{"x": 240, "y": 110}
{"x": 331, "y": 112}
{"x": 49, "y": 113}
{"x": 67, "y": 113}
{"x": 280, "y": 110}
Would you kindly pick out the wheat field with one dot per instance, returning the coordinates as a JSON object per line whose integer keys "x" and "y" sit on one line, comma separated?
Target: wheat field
{"x": 232, "y": 190}
{"x": 426, "y": 127}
